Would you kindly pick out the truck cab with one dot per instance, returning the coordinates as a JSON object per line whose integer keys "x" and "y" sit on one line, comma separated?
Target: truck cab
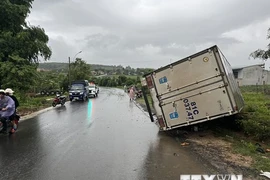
{"x": 79, "y": 90}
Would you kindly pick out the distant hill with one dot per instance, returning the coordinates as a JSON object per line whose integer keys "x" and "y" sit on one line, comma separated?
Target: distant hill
{"x": 98, "y": 70}
{"x": 53, "y": 66}
{"x": 56, "y": 66}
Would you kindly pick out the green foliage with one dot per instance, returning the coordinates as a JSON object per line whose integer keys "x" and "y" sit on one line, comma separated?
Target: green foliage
{"x": 116, "y": 81}
{"x": 255, "y": 116}
{"x": 49, "y": 81}
{"x": 17, "y": 74}
{"x": 79, "y": 70}
{"x": 110, "y": 69}
{"x": 245, "y": 148}
{"x": 13, "y": 14}
{"x": 262, "y": 54}
{"x": 21, "y": 45}
{"x": 29, "y": 104}
{"x": 16, "y": 37}
{"x": 122, "y": 80}
{"x": 54, "y": 66}
{"x": 249, "y": 149}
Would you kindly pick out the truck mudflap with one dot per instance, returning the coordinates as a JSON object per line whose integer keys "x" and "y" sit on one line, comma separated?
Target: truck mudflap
{"x": 147, "y": 103}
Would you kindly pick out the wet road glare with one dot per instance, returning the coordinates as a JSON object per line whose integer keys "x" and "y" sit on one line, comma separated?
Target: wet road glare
{"x": 104, "y": 138}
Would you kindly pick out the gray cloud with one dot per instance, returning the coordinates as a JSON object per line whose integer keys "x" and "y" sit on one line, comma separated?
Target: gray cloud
{"x": 148, "y": 32}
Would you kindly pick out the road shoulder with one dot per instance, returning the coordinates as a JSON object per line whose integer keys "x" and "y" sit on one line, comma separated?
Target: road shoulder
{"x": 216, "y": 150}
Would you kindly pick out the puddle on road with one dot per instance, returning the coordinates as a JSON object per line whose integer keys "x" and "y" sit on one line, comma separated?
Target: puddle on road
{"x": 167, "y": 159}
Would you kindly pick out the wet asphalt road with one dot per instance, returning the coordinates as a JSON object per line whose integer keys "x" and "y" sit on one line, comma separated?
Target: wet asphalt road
{"x": 105, "y": 138}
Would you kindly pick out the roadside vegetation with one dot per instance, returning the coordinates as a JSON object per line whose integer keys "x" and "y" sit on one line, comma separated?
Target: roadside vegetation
{"x": 117, "y": 81}
{"x": 249, "y": 132}
{"x": 254, "y": 123}
{"x": 30, "y": 104}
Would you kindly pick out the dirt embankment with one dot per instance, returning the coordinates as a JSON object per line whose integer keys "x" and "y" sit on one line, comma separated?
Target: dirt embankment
{"x": 217, "y": 152}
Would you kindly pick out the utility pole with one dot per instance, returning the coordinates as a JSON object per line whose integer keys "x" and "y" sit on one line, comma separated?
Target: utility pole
{"x": 68, "y": 71}
{"x": 69, "y": 78}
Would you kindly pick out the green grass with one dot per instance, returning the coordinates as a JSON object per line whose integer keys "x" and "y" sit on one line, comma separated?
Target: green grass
{"x": 248, "y": 148}
{"x": 142, "y": 102}
{"x": 245, "y": 146}
{"x": 120, "y": 87}
{"x": 256, "y": 116}
{"x": 254, "y": 123}
{"x": 254, "y": 88}
{"x": 31, "y": 104}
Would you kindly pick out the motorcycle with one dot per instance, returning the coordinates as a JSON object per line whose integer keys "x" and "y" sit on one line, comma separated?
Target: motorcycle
{"x": 59, "y": 100}
{"x": 138, "y": 94}
{"x": 12, "y": 123}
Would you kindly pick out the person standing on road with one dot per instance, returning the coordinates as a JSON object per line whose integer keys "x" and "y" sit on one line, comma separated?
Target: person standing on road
{"x": 7, "y": 109}
{"x": 131, "y": 93}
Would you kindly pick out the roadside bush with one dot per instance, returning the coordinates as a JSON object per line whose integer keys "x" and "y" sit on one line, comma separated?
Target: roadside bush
{"x": 31, "y": 104}
{"x": 256, "y": 116}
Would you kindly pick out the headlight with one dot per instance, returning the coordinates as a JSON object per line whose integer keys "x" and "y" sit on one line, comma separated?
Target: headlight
{"x": 70, "y": 93}
{"x": 81, "y": 92}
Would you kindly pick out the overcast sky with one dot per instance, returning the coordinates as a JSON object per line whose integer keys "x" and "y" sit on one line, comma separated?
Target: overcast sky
{"x": 152, "y": 33}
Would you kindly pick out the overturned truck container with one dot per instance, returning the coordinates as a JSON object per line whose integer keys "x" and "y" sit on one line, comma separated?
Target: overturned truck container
{"x": 193, "y": 90}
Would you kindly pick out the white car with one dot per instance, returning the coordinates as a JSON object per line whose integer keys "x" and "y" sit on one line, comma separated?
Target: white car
{"x": 93, "y": 90}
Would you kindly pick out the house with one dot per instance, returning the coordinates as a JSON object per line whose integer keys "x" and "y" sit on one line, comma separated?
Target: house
{"x": 251, "y": 75}
{"x": 94, "y": 73}
{"x": 43, "y": 70}
{"x": 100, "y": 72}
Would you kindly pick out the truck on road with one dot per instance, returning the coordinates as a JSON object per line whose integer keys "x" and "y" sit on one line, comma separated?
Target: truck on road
{"x": 193, "y": 90}
{"x": 79, "y": 90}
{"x": 93, "y": 90}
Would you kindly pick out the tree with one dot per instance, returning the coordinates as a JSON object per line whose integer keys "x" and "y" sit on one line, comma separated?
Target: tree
{"x": 49, "y": 81}
{"x": 130, "y": 81}
{"x": 17, "y": 73}
{"x": 262, "y": 54}
{"x": 79, "y": 70}
{"x": 20, "y": 43}
{"x": 121, "y": 80}
{"x": 118, "y": 71}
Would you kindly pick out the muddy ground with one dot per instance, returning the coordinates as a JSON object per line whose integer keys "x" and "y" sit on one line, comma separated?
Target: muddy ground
{"x": 215, "y": 151}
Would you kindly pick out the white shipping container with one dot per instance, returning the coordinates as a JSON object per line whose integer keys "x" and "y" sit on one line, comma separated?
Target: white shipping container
{"x": 195, "y": 89}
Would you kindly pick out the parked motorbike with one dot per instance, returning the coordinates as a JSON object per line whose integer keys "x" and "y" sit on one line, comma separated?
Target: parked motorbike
{"x": 59, "y": 100}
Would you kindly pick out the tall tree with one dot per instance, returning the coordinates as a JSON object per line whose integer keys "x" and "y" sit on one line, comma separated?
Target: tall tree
{"x": 20, "y": 44}
{"x": 262, "y": 54}
{"x": 79, "y": 70}
{"x": 17, "y": 73}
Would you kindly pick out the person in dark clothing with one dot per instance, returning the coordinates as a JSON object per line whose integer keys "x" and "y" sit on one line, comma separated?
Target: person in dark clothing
{"x": 9, "y": 92}
{"x": 7, "y": 109}
{"x": 14, "y": 118}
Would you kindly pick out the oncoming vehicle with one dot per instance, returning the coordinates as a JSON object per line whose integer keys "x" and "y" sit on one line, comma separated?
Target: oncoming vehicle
{"x": 93, "y": 90}
{"x": 79, "y": 90}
